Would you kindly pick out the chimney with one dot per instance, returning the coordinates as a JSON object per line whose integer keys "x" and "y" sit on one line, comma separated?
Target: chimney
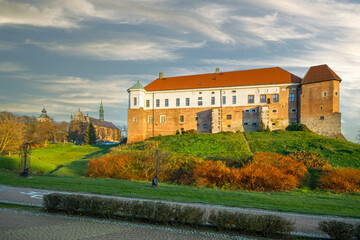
{"x": 161, "y": 75}
{"x": 217, "y": 70}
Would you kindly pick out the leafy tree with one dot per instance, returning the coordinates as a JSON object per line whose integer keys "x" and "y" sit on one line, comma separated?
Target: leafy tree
{"x": 77, "y": 131}
{"x": 11, "y": 132}
{"x": 90, "y": 136}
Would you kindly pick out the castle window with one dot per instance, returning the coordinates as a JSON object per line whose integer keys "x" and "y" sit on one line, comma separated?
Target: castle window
{"x": 324, "y": 94}
{"x": 276, "y": 98}
{"x": 178, "y": 102}
{"x": 293, "y": 110}
{"x": 229, "y": 126}
{"x": 187, "y": 101}
{"x": 250, "y": 98}
{"x": 147, "y": 103}
{"x": 234, "y": 99}
{"x": 199, "y": 103}
{"x": 253, "y": 110}
{"x": 228, "y": 116}
{"x": 321, "y": 107}
{"x": 245, "y": 124}
{"x": 247, "y": 110}
{"x": 263, "y": 98}
{"x": 336, "y": 93}
{"x": 157, "y": 102}
{"x": 234, "y": 91}
{"x": 205, "y": 126}
{"x": 150, "y": 119}
{"x": 212, "y": 92}
{"x": 254, "y": 124}
{"x": 274, "y": 124}
{"x": 166, "y": 102}
{"x": 162, "y": 118}
{"x": 322, "y": 118}
{"x": 212, "y": 100}
{"x": 292, "y": 97}
{"x": 199, "y": 98}
{"x": 181, "y": 118}
{"x": 135, "y": 101}
{"x": 274, "y": 110}
{"x": 200, "y": 92}
{"x": 268, "y": 101}
{"x": 134, "y": 119}
{"x": 224, "y": 99}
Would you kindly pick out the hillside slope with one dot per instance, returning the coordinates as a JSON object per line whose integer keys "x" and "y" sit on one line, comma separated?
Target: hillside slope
{"x": 63, "y": 160}
{"x": 223, "y": 146}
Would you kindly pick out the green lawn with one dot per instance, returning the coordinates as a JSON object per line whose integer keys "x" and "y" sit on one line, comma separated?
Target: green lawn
{"x": 301, "y": 201}
{"x": 340, "y": 153}
{"x": 60, "y": 159}
{"x": 208, "y": 146}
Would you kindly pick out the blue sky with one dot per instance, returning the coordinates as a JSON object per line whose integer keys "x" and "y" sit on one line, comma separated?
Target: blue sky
{"x": 68, "y": 54}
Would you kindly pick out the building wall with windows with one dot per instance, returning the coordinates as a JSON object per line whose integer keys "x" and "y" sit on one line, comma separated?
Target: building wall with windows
{"x": 235, "y": 101}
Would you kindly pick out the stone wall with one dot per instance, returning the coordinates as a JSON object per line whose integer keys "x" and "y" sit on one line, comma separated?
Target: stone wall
{"x": 330, "y": 126}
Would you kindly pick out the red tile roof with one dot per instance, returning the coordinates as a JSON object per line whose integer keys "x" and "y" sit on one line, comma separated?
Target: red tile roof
{"x": 264, "y": 76}
{"x": 320, "y": 73}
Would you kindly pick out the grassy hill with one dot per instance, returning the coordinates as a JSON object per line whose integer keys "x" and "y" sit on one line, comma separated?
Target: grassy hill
{"x": 61, "y": 159}
{"x": 223, "y": 146}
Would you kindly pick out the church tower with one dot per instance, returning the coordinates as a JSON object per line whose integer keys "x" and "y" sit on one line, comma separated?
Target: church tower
{"x": 101, "y": 112}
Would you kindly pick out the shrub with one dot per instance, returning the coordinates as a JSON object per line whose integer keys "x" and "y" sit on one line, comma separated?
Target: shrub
{"x": 265, "y": 225}
{"x": 216, "y": 174}
{"x": 271, "y": 172}
{"x": 310, "y": 160}
{"x": 177, "y": 132}
{"x": 191, "y": 131}
{"x": 297, "y": 127}
{"x": 337, "y": 230}
{"x": 341, "y": 180}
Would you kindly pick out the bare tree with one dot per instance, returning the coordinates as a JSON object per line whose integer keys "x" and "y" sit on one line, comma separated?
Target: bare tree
{"x": 11, "y": 132}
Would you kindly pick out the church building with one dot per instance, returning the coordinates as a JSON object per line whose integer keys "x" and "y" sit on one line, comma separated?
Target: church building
{"x": 105, "y": 131}
{"x": 248, "y": 100}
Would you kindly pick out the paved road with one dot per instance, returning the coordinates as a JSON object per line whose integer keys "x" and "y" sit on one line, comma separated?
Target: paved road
{"x": 36, "y": 226}
{"x": 305, "y": 225}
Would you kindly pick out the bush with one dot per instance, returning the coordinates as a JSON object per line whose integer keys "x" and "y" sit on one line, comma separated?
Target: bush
{"x": 297, "y": 127}
{"x": 216, "y": 174}
{"x": 271, "y": 172}
{"x": 337, "y": 230}
{"x": 265, "y": 225}
{"x": 310, "y": 160}
{"x": 341, "y": 180}
{"x": 191, "y": 131}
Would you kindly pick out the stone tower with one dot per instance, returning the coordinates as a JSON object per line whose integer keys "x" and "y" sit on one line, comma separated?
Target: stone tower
{"x": 43, "y": 116}
{"x": 101, "y": 112}
{"x": 319, "y": 101}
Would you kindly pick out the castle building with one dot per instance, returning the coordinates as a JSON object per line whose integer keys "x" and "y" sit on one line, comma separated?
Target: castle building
{"x": 105, "y": 131}
{"x": 268, "y": 98}
{"x": 43, "y": 116}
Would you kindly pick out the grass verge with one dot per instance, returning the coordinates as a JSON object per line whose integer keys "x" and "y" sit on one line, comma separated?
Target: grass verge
{"x": 299, "y": 201}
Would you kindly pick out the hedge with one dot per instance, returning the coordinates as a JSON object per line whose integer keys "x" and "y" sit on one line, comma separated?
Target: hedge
{"x": 340, "y": 230}
{"x": 172, "y": 214}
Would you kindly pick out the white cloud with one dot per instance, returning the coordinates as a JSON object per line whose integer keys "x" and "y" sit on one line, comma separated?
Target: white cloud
{"x": 6, "y": 46}
{"x": 130, "y": 49}
{"x": 11, "y": 67}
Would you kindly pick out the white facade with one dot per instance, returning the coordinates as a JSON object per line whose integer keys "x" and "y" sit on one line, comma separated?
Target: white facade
{"x": 138, "y": 97}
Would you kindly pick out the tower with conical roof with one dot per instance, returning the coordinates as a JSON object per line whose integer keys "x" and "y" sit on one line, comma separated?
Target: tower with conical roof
{"x": 101, "y": 112}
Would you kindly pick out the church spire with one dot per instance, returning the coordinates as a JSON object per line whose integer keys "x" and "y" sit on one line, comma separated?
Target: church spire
{"x": 101, "y": 112}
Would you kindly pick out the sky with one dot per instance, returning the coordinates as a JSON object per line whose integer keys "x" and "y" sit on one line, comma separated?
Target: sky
{"x": 67, "y": 54}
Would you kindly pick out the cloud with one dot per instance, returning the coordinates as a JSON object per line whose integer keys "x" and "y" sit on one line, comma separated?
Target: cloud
{"x": 123, "y": 49}
{"x": 57, "y": 14}
{"x": 5, "y": 46}
{"x": 11, "y": 67}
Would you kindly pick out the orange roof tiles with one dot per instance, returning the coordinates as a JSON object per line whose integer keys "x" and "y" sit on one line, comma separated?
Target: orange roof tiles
{"x": 264, "y": 76}
{"x": 320, "y": 73}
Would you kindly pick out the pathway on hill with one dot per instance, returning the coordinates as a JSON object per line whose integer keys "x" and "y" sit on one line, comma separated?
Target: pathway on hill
{"x": 247, "y": 142}
{"x": 305, "y": 224}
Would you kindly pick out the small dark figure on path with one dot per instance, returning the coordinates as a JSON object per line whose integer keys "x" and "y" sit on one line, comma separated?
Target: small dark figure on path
{"x": 155, "y": 182}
